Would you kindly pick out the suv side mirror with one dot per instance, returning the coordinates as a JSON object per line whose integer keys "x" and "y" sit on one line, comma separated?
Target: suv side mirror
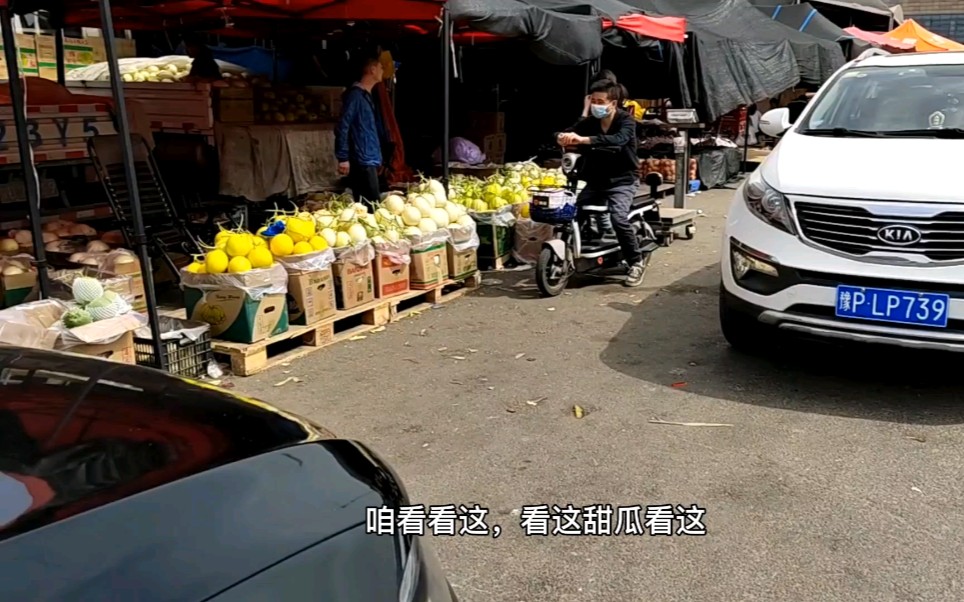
{"x": 775, "y": 122}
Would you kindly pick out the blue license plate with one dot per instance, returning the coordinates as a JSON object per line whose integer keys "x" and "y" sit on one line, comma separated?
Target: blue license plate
{"x": 900, "y": 307}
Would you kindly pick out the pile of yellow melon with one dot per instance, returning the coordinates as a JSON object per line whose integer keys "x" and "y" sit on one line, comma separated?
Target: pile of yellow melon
{"x": 238, "y": 251}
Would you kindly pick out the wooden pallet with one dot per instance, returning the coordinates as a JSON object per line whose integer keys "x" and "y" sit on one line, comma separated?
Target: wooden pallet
{"x": 251, "y": 358}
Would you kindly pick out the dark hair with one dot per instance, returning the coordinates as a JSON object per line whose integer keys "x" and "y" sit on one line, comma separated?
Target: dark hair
{"x": 611, "y": 89}
{"x": 605, "y": 75}
{"x": 366, "y": 59}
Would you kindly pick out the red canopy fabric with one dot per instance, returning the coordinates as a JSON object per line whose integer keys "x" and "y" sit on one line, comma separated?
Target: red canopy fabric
{"x": 880, "y": 39}
{"x": 672, "y": 29}
{"x": 178, "y": 12}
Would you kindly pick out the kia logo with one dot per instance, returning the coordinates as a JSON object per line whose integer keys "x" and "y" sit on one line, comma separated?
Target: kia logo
{"x": 899, "y": 235}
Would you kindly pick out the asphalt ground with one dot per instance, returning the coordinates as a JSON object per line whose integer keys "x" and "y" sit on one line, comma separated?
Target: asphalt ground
{"x": 837, "y": 477}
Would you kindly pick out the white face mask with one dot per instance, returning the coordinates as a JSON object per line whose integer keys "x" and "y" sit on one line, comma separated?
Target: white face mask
{"x": 14, "y": 499}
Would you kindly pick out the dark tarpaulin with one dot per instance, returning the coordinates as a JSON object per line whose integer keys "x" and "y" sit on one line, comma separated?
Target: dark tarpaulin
{"x": 804, "y": 17}
{"x": 726, "y": 66}
{"x": 562, "y": 32}
{"x": 743, "y": 56}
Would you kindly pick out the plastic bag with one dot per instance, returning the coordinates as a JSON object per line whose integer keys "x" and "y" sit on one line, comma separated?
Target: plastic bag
{"x": 38, "y": 324}
{"x": 503, "y": 217}
{"x": 309, "y": 262}
{"x": 399, "y": 253}
{"x": 173, "y": 329}
{"x": 361, "y": 254}
{"x": 24, "y": 261}
{"x": 464, "y": 238}
{"x": 427, "y": 241}
{"x": 62, "y": 282}
{"x": 256, "y": 284}
{"x": 100, "y": 71}
{"x": 529, "y": 237}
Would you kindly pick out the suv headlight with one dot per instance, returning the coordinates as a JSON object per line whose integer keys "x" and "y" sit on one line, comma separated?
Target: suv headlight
{"x": 767, "y": 203}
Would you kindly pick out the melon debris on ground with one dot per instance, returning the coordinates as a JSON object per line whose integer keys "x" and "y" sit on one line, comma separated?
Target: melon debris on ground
{"x": 838, "y": 478}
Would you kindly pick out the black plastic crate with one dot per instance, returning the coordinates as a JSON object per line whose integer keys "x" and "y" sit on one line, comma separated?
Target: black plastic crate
{"x": 183, "y": 357}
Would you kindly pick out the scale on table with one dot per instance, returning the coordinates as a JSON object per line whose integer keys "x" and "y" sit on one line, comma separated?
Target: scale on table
{"x": 678, "y": 221}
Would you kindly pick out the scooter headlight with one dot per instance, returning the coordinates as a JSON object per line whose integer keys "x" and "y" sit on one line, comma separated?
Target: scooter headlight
{"x": 767, "y": 203}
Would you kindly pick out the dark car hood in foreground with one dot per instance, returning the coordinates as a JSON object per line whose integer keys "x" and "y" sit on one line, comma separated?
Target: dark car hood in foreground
{"x": 129, "y": 484}
{"x": 195, "y": 537}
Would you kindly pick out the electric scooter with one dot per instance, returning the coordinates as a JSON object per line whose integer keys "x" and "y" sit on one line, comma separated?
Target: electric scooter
{"x": 573, "y": 248}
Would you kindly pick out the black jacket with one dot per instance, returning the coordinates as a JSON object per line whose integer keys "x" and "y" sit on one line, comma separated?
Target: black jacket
{"x": 610, "y": 157}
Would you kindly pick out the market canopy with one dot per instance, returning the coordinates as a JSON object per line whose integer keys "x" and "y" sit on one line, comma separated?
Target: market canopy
{"x": 877, "y": 7}
{"x": 880, "y": 39}
{"x": 923, "y": 40}
{"x": 742, "y": 56}
{"x": 562, "y": 32}
{"x": 175, "y": 13}
{"x": 804, "y": 17}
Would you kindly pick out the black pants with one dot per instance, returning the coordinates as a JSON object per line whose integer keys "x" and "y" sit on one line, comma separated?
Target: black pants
{"x": 619, "y": 199}
{"x": 363, "y": 181}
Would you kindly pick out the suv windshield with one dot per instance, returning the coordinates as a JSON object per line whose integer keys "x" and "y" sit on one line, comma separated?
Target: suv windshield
{"x": 891, "y": 101}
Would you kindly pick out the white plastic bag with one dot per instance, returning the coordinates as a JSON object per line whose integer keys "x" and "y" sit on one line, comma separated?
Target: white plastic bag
{"x": 256, "y": 284}
{"x": 529, "y": 237}
{"x": 361, "y": 254}
{"x": 399, "y": 253}
{"x": 308, "y": 262}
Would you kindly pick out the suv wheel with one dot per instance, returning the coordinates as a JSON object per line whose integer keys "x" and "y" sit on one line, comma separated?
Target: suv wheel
{"x": 741, "y": 331}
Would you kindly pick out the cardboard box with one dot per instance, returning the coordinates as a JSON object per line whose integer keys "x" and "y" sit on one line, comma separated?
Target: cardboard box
{"x": 494, "y": 148}
{"x": 311, "y": 297}
{"x": 486, "y": 122}
{"x": 430, "y": 267}
{"x": 462, "y": 263}
{"x": 121, "y": 350}
{"x": 17, "y": 289}
{"x": 137, "y": 294}
{"x": 354, "y": 284}
{"x": 390, "y": 278}
{"x": 78, "y": 52}
{"x": 61, "y": 283}
{"x": 28, "y": 56}
{"x": 234, "y": 316}
{"x": 495, "y": 241}
{"x": 30, "y": 326}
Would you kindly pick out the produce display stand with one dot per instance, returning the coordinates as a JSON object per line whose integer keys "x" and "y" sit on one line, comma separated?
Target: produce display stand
{"x": 247, "y": 359}
{"x": 181, "y": 108}
{"x": 24, "y": 139}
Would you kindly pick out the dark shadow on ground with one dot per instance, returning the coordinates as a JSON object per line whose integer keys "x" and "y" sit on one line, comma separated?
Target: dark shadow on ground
{"x": 521, "y": 284}
{"x": 673, "y": 338}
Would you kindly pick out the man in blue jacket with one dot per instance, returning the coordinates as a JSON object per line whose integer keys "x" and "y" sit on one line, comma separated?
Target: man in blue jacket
{"x": 360, "y": 134}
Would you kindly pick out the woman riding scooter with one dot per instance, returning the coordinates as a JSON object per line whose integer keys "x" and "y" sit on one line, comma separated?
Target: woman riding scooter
{"x": 610, "y": 179}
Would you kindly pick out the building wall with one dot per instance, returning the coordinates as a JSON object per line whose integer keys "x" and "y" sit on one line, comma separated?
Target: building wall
{"x": 943, "y": 17}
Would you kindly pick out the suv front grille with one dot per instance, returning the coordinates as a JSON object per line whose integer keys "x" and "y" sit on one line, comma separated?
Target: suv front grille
{"x": 854, "y": 230}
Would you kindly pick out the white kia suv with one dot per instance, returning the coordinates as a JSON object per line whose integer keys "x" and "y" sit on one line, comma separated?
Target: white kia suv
{"x": 853, "y": 227}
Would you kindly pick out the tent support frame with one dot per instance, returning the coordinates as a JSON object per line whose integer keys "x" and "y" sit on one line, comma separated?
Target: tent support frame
{"x": 31, "y": 184}
{"x": 124, "y": 132}
{"x": 446, "y": 92}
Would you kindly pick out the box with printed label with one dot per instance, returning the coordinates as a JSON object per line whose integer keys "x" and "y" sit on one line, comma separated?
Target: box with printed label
{"x": 354, "y": 284}
{"x": 311, "y": 296}
{"x": 430, "y": 266}
{"x": 27, "y": 46}
{"x": 121, "y": 350}
{"x": 234, "y": 316}
{"x": 462, "y": 263}
{"x": 391, "y": 278}
{"x": 17, "y": 288}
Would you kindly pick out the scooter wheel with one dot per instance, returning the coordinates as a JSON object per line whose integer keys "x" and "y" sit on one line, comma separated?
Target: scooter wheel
{"x": 552, "y": 274}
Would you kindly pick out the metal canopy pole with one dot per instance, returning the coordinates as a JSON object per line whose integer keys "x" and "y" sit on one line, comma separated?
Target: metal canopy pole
{"x": 446, "y": 71}
{"x": 124, "y": 132}
{"x": 31, "y": 185}
{"x": 61, "y": 62}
